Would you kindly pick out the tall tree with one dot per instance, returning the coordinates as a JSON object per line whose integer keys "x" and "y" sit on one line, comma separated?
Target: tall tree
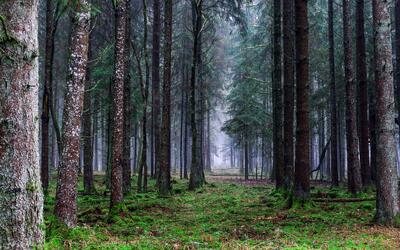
{"x": 66, "y": 194}
{"x": 277, "y": 98}
{"x": 144, "y": 88}
{"x": 126, "y": 151}
{"x": 387, "y": 199}
{"x": 196, "y": 179}
{"x": 21, "y": 200}
{"x": 118, "y": 103}
{"x": 155, "y": 73}
{"x": 88, "y": 182}
{"x": 288, "y": 84}
{"x": 165, "y": 160}
{"x": 333, "y": 102}
{"x": 302, "y": 149}
{"x": 353, "y": 161}
{"x": 362, "y": 94}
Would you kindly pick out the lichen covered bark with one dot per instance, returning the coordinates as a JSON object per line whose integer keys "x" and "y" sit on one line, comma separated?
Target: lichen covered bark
{"x": 118, "y": 103}
{"x": 66, "y": 207}
{"x": 387, "y": 207}
{"x": 21, "y": 199}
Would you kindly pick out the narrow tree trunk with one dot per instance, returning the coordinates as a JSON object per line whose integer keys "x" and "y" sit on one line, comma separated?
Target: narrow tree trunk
{"x": 47, "y": 93}
{"x": 126, "y": 151}
{"x": 145, "y": 95}
{"x": 156, "y": 85}
{"x": 362, "y": 94}
{"x": 302, "y": 153}
{"x": 246, "y": 159}
{"x": 387, "y": 198}
{"x": 196, "y": 174}
{"x": 277, "y": 98}
{"x": 165, "y": 161}
{"x": 66, "y": 195}
{"x": 354, "y": 171}
{"x": 88, "y": 183}
{"x": 333, "y": 102}
{"x": 288, "y": 82}
{"x": 21, "y": 199}
{"x": 118, "y": 104}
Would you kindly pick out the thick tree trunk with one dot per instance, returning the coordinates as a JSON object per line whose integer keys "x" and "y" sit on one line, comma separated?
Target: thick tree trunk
{"x": 66, "y": 207}
{"x": 333, "y": 102}
{"x": 302, "y": 153}
{"x": 362, "y": 94}
{"x": 88, "y": 183}
{"x": 288, "y": 84}
{"x": 353, "y": 161}
{"x": 277, "y": 98}
{"x": 165, "y": 161}
{"x": 155, "y": 72}
{"x": 196, "y": 174}
{"x": 21, "y": 199}
{"x": 118, "y": 103}
{"x": 387, "y": 205}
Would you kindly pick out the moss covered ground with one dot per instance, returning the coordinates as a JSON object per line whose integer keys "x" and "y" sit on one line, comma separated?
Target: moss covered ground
{"x": 222, "y": 215}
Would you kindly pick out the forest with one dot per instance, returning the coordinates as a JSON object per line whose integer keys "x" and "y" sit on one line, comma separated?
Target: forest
{"x": 199, "y": 124}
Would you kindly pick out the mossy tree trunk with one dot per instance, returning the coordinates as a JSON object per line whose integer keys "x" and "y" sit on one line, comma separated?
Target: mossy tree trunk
{"x": 21, "y": 200}
{"x": 66, "y": 194}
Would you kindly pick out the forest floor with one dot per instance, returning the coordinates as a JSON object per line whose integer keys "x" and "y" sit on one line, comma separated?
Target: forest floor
{"x": 225, "y": 214}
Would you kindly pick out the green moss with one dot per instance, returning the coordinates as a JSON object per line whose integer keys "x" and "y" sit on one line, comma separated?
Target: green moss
{"x": 223, "y": 215}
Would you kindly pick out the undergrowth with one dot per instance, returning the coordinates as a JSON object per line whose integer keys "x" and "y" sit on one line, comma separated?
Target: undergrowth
{"x": 219, "y": 216}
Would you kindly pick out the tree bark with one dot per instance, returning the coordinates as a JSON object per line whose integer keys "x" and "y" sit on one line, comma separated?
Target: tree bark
{"x": 362, "y": 94}
{"x": 354, "y": 169}
{"x": 66, "y": 207}
{"x": 21, "y": 199}
{"x": 196, "y": 179}
{"x": 165, "y": 160}
{"x": 118, "y": 103}
{"x": 156, "y": 84}
{"x": 277, "y": 99}
{"x": 333, "y": 101}
{"x": 87, "y": 135}
{"x": 387, "y": 201}
{"x": 126, "y": 151}
{"x": 288, "y": 84}
{"x": 47, "y": 93}
{"x": 302, "y": 153}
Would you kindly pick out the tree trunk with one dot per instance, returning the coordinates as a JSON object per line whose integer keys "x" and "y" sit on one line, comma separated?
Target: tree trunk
{"x": 362, "y": 94}
{"x": 196, "y": 174}
{"x": 302, "y": 153}
{"x": 156, "y": 85}
{"x": 277, "y": 98}
{"x": 126, "y": 151}
{"x": 66, "y": 195}
{"x": 47, "y": 93}
{"x": 354, "y": 171}
{"x": 387, "y": 205}
{"x": 288, "y": 84}
{"x": 21, "y": 200}
{"x": 87, "y": 128}
{"x": 165, "y": 161}
{"x": 333, "y": 102}
{"x": 118, "y": 104}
